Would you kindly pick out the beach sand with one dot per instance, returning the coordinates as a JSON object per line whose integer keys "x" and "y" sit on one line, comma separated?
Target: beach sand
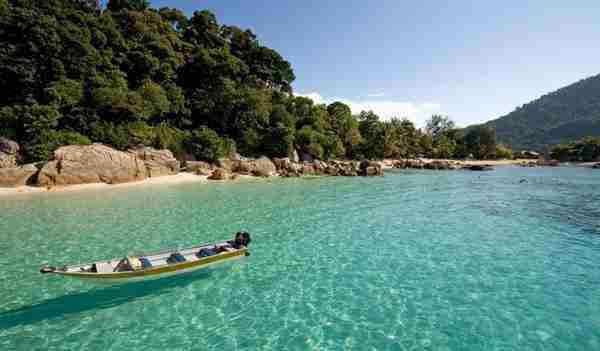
{"x": 170, "y": 179}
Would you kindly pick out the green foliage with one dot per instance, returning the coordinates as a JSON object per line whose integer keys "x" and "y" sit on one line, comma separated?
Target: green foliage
{"x": 136, "y": 5}
{"x": 64, "y": 93}
{"x": 567, "y": 114}
{"x": 174, "y": 139}
{"x": 586, "y": 150}
{"x": 112, "y": 134}
{"x": 41, "y": 147}
{"x": 135, "y": 75}
{"x": 279, "y": 139}
{"x": 502, "y": 152}
{"x": 205, "y": 144}
{"x": 437, "y": 126}
{"x": 481, "y": 142}
{"x": 372, "y": 132}
{"x": 140, "y": 133}
{"x": 444, "y": 147}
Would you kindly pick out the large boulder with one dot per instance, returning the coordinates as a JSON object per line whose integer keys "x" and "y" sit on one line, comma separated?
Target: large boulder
{"x": 409, "y": 163}
{"x": 370, "y": 168}
{"x": 7, "y": 161}
{"x": 220, "y": 174}
{"x": 96, "y": 163}
{"x": 8, "y": 146}
{"x": 17, "y": 176}
{"x": 199, "y": 167}
{"x": 348, "y": 169}
{"x": 281, "y": 163}
{"x": 439, "y": 165}
{"x": 158, "y": 162}
{"x": 308, "y": 169}
{"x": 227, "y": 164}
{"x": 9, "y": 152}
{"x": 261, "y": 167}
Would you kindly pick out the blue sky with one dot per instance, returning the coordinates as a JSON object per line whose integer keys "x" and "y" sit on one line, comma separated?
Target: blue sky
{"x": 471, "y": 60}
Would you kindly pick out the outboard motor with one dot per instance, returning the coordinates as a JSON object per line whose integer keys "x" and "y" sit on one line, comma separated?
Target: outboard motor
{"x": 241, "y": 239}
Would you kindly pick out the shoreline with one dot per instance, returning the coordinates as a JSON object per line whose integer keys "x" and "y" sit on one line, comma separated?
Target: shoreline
{"x": 187, "y": 177}
{"x": 179, "y": 178}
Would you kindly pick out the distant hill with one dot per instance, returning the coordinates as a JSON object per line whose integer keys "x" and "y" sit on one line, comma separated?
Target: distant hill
{"x": 564, "y": 115}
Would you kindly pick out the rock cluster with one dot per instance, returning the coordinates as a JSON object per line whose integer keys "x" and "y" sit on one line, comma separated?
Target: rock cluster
{"x": 157, "y": 162}
{"x": 420, "y": 164}
{"x": 199, "y": 167}
{"x": 540, "y": 163}
{"x": 17, "y": 176}
{"x": 288, "y": 168}
{"x": 97, "y": 163}
{"x": 221, "y": 174}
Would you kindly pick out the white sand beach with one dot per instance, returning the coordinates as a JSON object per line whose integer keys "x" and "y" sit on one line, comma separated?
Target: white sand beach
{"x": 170, "y": 179}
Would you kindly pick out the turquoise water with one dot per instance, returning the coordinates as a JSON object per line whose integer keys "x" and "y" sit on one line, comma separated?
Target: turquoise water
{"x": 416, "y": 260}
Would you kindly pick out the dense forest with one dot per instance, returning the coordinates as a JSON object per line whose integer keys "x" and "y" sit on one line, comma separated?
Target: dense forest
{"x": 585, "y": 150}
{"x": 567, "y": 114}
{"x": 130, "y": 75}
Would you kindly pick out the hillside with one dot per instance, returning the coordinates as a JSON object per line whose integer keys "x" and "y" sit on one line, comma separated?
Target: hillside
{"x": 564, "y": 115}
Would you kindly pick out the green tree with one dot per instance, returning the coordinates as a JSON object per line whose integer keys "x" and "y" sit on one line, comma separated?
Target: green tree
{"x": 206, "y": 144}
{"x": 502, "y": 152}
{"x": 480, "y": 141}
{"x": 135, "y": 5}
{"x": 438, "y": 125}
{"x": 372, "y": 131}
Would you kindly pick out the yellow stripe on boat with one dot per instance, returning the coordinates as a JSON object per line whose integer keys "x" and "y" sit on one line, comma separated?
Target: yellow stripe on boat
{"x": 156, "y": 271}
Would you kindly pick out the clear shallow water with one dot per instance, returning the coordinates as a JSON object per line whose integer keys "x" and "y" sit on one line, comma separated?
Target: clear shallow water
{"x": 416, "y": 260}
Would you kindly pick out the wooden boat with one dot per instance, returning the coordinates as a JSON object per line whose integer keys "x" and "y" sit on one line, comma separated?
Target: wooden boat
{"x": 159, "y": 264}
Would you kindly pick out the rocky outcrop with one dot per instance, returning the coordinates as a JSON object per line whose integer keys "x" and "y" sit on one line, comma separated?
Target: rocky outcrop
{"x": 9, "y": 152}
{"x": 287, "y": 168}
{"x": 158, "y": 162}
{"x": 409, "y": 163}
{"x": 540, "y": 163}
{"x": 17, "y": 176}
{"x": 226, "y": 163}
{"x": 199, "y": 167}
{"x": 370, "y": 168}
{"x": 261, "y": 167}
{"x": 96, "y": 163}
{"x": 220, "y": 174}
{"x": 548, "y": 163}
{"x": 479, "y": 167}
{"x": 440, "y": 165}
{"x": 596, "y": 166}
{"x": 420, "y": 164}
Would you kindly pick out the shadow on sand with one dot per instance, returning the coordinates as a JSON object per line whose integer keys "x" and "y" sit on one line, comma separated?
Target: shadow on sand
{"x": 99, "y": 298}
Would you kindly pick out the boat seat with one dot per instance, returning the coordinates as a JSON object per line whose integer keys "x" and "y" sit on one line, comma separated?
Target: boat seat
{"x": 175, "y": 257}
{"x": 145, "y": 262}
{"x": 104, "y": 267}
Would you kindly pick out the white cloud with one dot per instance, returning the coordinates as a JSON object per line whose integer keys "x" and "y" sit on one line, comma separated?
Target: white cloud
{"x": 381, "y": 94}
{"x": 386, "y": 109}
